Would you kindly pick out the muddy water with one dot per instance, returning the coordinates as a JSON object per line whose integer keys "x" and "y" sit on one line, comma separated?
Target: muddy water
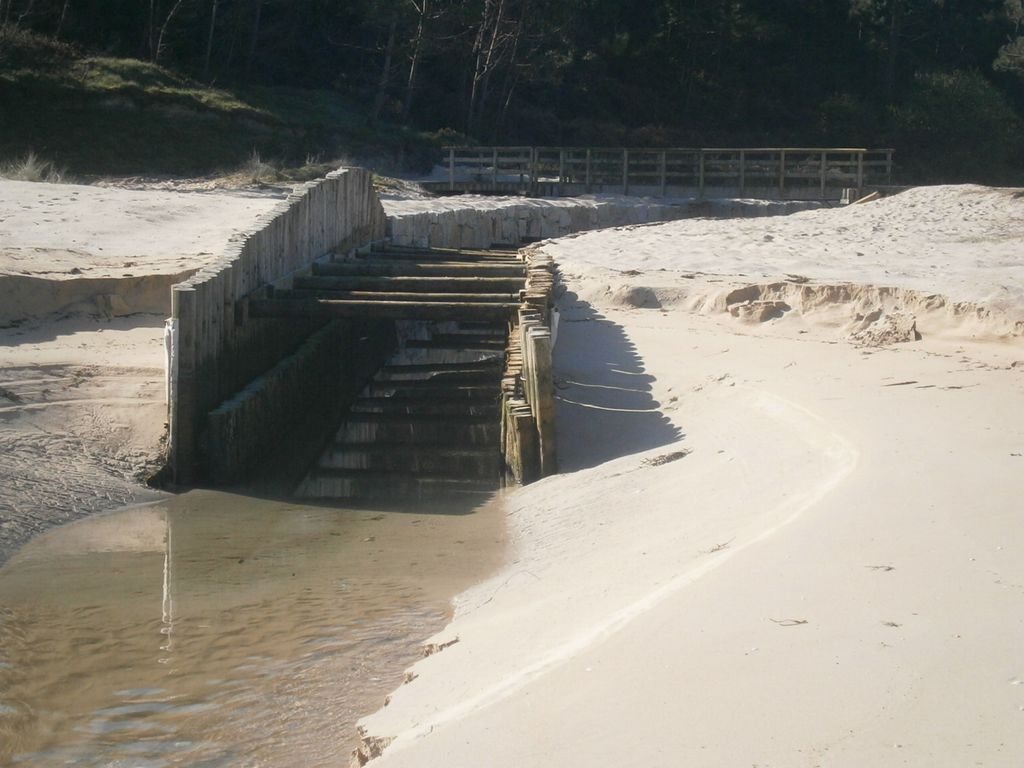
{"x": 220, "y": 630}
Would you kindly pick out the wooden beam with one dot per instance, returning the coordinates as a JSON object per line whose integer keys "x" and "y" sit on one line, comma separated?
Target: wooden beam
{"x": 410, "y": 284}
{"x": 392, "y": 310}
{"x": 417, "y": 269}
{"x": 507, "y": 298}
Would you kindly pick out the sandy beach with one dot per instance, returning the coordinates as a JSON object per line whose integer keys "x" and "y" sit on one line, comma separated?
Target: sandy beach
{"x": 85, "y": 276}
{"x": 787, "y": 529}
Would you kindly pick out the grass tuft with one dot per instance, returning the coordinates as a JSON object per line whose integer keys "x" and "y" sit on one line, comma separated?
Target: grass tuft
{"x": 259, "y": 171}
{"x": 31, "y": 167}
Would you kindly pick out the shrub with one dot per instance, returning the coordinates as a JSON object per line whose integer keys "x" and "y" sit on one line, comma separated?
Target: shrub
{"x": 23, "y": 49}
{"x": 956, "y": 126}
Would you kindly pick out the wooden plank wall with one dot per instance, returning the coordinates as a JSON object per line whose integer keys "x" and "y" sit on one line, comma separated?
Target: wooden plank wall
{"x": 528, "y": 388}
{"x": 216, "y": 348}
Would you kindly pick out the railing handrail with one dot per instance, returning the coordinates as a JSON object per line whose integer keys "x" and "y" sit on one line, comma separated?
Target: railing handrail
{"x": 625, "y": 168}
{"x": 556, "y": 148}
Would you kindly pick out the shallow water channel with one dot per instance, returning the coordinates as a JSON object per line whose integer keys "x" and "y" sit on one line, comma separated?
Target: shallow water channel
{"x": 222, "y": 630}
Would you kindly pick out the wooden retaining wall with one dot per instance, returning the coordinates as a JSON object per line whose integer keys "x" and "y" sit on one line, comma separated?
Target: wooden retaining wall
{"x": 215, "y": 348}
{"x": 528, "y": 388}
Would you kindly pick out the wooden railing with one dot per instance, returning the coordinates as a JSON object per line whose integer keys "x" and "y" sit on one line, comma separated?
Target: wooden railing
{"x": 798, "y": 173}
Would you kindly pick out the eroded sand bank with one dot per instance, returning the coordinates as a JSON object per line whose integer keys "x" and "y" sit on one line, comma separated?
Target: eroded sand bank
{"x": 85, "y": 276}
{"x": 788, "y": 530}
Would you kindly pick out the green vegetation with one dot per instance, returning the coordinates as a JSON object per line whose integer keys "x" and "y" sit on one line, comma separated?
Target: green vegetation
{"x": 100, "y": 115}
{"x": 184, "y": 86}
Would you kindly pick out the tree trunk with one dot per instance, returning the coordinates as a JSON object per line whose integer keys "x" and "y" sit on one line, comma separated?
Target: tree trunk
{"x": 209, "y": 41}
{"x": 163, "y": 31}
{"x": 63, "y": 17}
{"x": 151, "y": 31}
{"x": 385, "y": 74}
{"x": 26, "y": 13}
{"x": 895, "y": 35}
{"x": 512, "y": 76}
{"x": 486, "y": 61}
{"x": 253, "y": 38}
{"x": 417, "y": 51}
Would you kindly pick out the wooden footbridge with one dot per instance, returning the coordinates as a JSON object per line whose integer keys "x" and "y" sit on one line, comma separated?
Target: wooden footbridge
{"x": 793, "y": 173}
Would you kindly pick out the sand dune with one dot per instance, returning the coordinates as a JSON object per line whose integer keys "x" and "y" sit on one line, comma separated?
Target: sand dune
{"x": 779, "y": 540}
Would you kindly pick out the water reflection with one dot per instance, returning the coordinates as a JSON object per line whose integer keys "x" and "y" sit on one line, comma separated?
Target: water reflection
{"x": 221, "y": 630}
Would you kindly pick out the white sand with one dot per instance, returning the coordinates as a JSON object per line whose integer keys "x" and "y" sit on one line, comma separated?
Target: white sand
{"x": 52, "y": 229}
{"x": 833, "y": 574}
{"x": 827, "y": 568}
{"x": 82, "y": 396}
{"x": 71, "y": 248}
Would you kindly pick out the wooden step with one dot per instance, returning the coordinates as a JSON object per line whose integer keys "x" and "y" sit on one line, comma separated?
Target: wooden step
{"x": 426, "y": 406}
{"x": 435, "y": 252}
{"x": 343, "y": 484}
{"x": 427, "y": 369}
{"x": 467, "y": 342}
{"x": 464, "y": 431}
{"x": 384, "y": 268}
{"x": 511, "y": 285}
{"x": 392, "y": 310}
{"x": 418, "y": 459}
{"x": 426, "y": 388}
{"x": 308, "y": 293}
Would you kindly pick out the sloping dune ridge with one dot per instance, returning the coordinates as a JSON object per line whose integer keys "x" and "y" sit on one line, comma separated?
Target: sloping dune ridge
{"x": 787, "y": 529}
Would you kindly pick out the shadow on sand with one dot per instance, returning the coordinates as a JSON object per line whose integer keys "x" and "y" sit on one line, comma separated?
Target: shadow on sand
{"x": 603, "y": 396}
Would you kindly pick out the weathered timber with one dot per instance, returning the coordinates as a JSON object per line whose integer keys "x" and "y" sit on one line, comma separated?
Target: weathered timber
{"x": 428, "y": 369}
{"x": 305, "y": 293}
{"x": 469, "y": 345}
{"x": 370, "y": 402}
{"x": 394, "y": 310}
{"x": 416, "y": 269}
{"x": 454, "y": 256}
{"x": 494, "y": 252}
{"x": 428, "y": 388}
{"x": 411, "y": 284}
{"x": 769, "y": 172}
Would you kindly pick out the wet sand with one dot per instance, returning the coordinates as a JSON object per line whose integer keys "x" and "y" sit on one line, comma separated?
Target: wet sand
{"x": 216, "y": 629}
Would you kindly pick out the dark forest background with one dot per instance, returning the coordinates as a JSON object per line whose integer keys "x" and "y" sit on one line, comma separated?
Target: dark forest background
{"x": 941, "y": 81}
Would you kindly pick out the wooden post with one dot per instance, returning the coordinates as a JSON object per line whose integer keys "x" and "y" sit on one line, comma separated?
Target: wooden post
{"x": 561, "y": 170}
{"x": 743, "y": 171}
{"x": 860, "y": 171}
{"x": 494, "y": 169}
{"x": 588, "y": 171}
{"x": 700, "y": 172}
{"x": 782, "y": 173}
{"x": 625, "y": 172}
{"x": 526, "y": 437}
{"x": 824, "y": 170}
{"x": 888, "y": 166}
{"x": 545, "y": 406}
{"x": 663, "y": 172}
{"x": 451, "y": 169}
{"x": 183, "y": 400}
{"x": 533, "y": 170}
